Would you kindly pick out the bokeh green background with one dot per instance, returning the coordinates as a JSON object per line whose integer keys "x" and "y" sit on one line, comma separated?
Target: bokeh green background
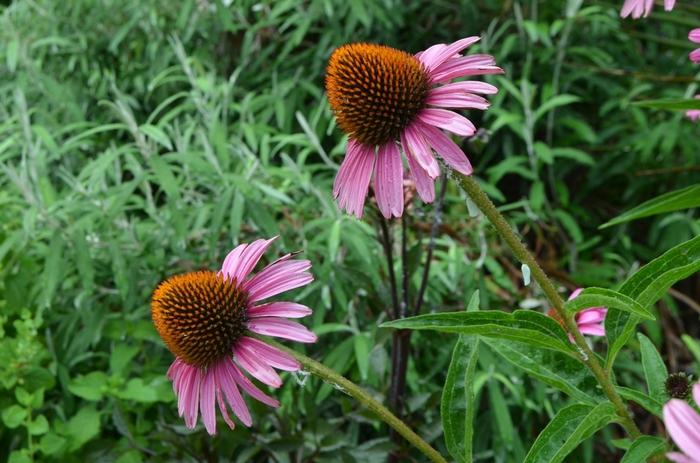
{"x": 143, "y": 139}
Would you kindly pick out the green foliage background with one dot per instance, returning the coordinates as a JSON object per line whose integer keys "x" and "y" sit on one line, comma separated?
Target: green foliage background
{"x": 143, "y": 139}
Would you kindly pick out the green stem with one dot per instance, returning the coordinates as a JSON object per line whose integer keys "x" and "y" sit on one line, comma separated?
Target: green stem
{"x": 362, "y": 396}
{"x": 472, "y": 188}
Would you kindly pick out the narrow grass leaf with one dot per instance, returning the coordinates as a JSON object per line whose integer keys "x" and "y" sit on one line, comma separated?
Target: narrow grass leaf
{"x": 642, "y": 448}
{"x": 684, "y": 198}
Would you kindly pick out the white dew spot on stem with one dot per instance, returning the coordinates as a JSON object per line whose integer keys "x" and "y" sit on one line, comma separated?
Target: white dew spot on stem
{"x": 471, "y": 207}
{"x": 526, "y": 274}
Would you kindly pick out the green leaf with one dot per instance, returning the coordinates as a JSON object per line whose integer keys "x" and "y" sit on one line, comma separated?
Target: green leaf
{"x": 138, "y": 391}
{"x": 84, "y": 426}
{"x": 551, "y": 367}
{"x": 651, "y": 405}
{"x": 642, "y": 448}
{"x": 523, "y": 326}
{"x": 362, "y": 346}
{"x": 692, "y": 346}
{"x": 457, "y": 405}
{"x": 655, "y": 371}
{"x": 13, "y": 416}
{"x": 89, "y": 387}
{"x": 157, "y": 135}
{"x": 647, "y": 286}
{"x": 52, "y": 443}
{"x": 670, "y": 103}
{"x": 551, "y": 103}
{"x": 685, "y": 198}
{"x": 567, "y": 430}
{"x": 38, "y": 426}
{"x": 121, "y": 355}
{"x": 164, "y": 176}
{"x": 20, "y": 456}
{"x": 601, "y": 297}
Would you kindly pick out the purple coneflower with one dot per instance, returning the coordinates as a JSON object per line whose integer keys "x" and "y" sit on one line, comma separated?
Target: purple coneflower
{"x": 205, "y": 319}
{"x": 639, "y": 8}
{"x": 694, "y": 37}
{"x": 386, "y": 100}
{"x": 683, "y": 424}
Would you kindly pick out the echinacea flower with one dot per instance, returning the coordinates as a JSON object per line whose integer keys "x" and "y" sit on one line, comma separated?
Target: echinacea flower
{"x": 588, "y": 321}
{"x": 639, "y": 8}
{"x": 206, "y": 319}
{"x": 683, "y": 425}
{"x": 385, "y": 98}
{"x": 694, "y": 36}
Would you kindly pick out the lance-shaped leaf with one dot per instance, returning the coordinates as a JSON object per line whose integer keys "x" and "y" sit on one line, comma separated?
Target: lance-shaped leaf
{"x": 684, "y": 198}
{"x": 601, "y": 297}
{"x": 647, "y": 286}
{"x": 650, "y": 404}
{"x": 567, "y": 430}
{"x": 655, "y": 371}
{"x": 642, "y": 448}
{"x": 523, "y": 326}
{"x": 457, "y": 405}
{"x": 551, "y": 367}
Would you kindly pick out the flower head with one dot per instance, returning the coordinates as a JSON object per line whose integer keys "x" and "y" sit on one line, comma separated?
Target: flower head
{"x": 385, "y": 98}
{"x": 205, "y": 319}
{"x": 639, "y": 8}
{"x": 683, "y": 425}
{"x": 694, "y": 36}
{"x": 678, "y": 385}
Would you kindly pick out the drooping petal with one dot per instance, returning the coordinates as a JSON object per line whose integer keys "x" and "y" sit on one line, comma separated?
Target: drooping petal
{"x": 669, "y": 4}
{"x": 458, "y": 101}
{"x": 388, "y": 181}
{"x": 694, "y": 35}
{"x": 223, "y": 409}
{"x": 277, "y": 278}
{"x": 447, "y": 149}
{"x": 467, "y": 86}
{"x": 250, "y": 388}
{"x": 593, "y": 315}
{"x": 207, "y": 401}
{"x": 447, "y": 120}
{"x": 424, "y": 184}
{"x": 696, "y": 393}
{"x": 575, "y": 294}
{"x": 683, "y": 425}
{"x": 191, "y": 397}
{"x": 435, "y": 56}
{"x": 695, "y": 55}
{"x": 636, "y": 8}
{"x": 258, "y": 369}
{"x": 227, "y": 375}
{"x": 281, "y": 328}
{"x": 279, "y": 309}
{"x": 416, "y": 146}
{"x": 462, "y": 66}
{"x": 591, "y": 329}
{"x": 239, "y": 262}
{"x": 680, "y": 458}
{"x": 269, "y": 354}
{"x": 352, "y": 181}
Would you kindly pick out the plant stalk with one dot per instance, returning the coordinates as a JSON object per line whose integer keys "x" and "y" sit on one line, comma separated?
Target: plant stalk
{"x": 472, "y": 188}
{"x": 362, "y": 396}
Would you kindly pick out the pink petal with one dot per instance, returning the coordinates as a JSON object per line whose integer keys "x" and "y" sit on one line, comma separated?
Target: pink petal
{"x": 222, "y": 409}
{"x": 242, "y": 259}
{"x": 281, "y": 328}
{"x": 250, "y": 388}
{"x": 447, "y": 120}
{"x": 279, "y": 309}
{"x": 472, "y": 65}
{"x": 575, "y": 294}
{"x": 227, "y": 374}
{"x": 256, "y": 367}
{"x": 592, "y": 315}
{"x": 593, "y": 330}
{"x": 458, "y": 101}
{"x": 207, "y": 401}
{"x": 269, "y": 354}
{"x": 414, "y": 144}
{"x": 680, "y": 458}
{"x": 424, "y": 184}
{"x": 278, "y": 277}
{"x": 695, "y": 56}
{"x": 694, "y": 35}
{"x": 388, "y": 181}
{"x": 696, "y": 393}
{"x": 190, "y": 397}
{"x": 434, "y": 56}
{"x": 447, "y": 149}
{"x": 467, "y": 86}
{"x": 669, "y": 4}
{"x": 683, "y": 425}
{"x": 352, "y": 181}
{"x": 636, "y": 8}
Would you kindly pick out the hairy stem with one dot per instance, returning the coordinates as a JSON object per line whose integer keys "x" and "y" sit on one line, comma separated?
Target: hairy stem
{"x": 472, "y": 188}
{"x": 353, "y": 390}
